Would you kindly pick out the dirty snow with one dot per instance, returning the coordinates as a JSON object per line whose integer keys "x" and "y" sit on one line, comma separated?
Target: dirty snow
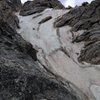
{"x": 57, "y": 52}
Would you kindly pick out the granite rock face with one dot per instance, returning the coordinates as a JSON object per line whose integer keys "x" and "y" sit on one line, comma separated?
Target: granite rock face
{"x": 7, "y": 14}
{"x": 52, "y": 62}
{"x": 37, "y": 6}
{"x": 21, "y": 78}
{"x": 85, "y": 17}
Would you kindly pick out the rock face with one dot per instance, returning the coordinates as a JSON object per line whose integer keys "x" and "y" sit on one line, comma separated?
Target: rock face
{"x": 7, "y": 14}
{"x": 22, "y": 77}
{"x": 85, "y": 17}
{"x": 36, "y": 6}
{"x": 91, "y": 52}
{"x": 14, "y": 4}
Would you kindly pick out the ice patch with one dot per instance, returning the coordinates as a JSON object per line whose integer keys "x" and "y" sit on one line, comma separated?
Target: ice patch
{"x": 57, "y": 52}
{"x": 43, "y": 36}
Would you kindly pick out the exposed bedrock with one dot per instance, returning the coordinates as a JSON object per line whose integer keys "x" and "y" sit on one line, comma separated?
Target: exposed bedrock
{"x": 91, "y": 51}
{"x": 7, "y": 13}
{"x": 37, "y": 6}
{"x": 85, "y": 17}
{"x": 14, "y": 4}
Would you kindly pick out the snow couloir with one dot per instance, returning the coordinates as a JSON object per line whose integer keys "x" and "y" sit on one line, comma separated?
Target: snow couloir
{"x": 57, "y": 52}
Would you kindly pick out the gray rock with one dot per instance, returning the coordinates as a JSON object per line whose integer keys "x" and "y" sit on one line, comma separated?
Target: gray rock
{"x": 45, "y": 19}
{"x": 32, "y": 11}
{"x": 14, "y": 4}
{"x": 36, "y": 6}
{"x": 83, "y": 17}
{"x": 7, "y": 14}
{"x": 91, "y": 52}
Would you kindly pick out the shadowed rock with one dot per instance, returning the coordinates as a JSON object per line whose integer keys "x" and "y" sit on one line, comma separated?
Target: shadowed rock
{"x": 45, "y": 19}
{"x": 85, "y": 17}
{"x": 37, "y": 6}
{"x": 91, "y": 52}
{"x": 14, "y": 4}
{"x": 21, "y": 77}
{"x": 7, "y": 14}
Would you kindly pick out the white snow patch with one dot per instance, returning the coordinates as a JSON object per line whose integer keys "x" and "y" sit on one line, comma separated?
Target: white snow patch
{"x": 55, "y": 46}
{"x": 96, "y": 91}
{"x": 44, "y": 36}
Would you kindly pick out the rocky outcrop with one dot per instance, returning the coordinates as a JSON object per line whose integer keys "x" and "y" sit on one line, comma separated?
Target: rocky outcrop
{"x": 37, "y": 6}
{"x": 91, "y": 51}
{"x": 8, "y": 15}
{"x": 14, "y": 4}
{"x": 86, "y": 17}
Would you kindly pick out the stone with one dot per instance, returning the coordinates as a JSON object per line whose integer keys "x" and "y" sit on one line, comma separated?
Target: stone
{"x": 45, "y": 19}
{"x": 14, "y": 4}
{"x": 83, "y": 17}
{"x": 91, "y": 52}
{"x": 31, "y": 7}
